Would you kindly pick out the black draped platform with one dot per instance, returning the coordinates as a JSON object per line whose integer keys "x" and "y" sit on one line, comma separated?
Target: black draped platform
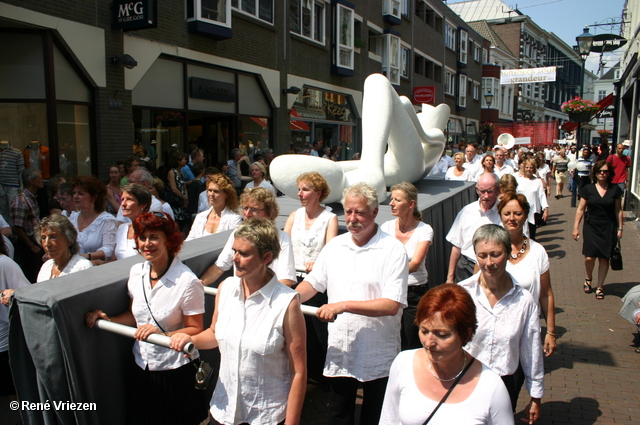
{"x": 55, "y": 357}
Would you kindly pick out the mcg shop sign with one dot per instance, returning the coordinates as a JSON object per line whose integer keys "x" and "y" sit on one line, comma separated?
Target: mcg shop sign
{"x": 131, "y": 15}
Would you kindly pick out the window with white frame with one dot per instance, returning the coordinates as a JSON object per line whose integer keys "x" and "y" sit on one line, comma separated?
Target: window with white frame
{"x": 476, "y": 52}
{"x": 404, "y": 8}
{"x": 391, "y": 58}
{"x": 476, "y": 91}
{"x": 601, "y": 94}
{"x": 462, "y": 91}
{"x": 449, "y": 83}
{"x": 307, "y": 18}
{"x": 405, "y": 57}
{"x": 344, "y": 51}
{"x": 485, "y": 56}
{"x": 261, "y": 9}
{"x": 464, "y": 41}
{"x": 391, "y": 7}
{"x": 450, "y": 37}
{"x": 216, "y": 12}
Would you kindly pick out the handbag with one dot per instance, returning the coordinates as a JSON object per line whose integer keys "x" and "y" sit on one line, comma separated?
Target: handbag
{"x": 449, "y": 392}
{"x": 204, "y": 371}
{"x": 616, "y": 257}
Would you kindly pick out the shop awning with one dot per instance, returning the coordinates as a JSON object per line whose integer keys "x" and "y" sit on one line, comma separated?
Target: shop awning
{"x": 296, "y": 124}
{"x": 261, "y": 121}
{"x": 604, "y": 103}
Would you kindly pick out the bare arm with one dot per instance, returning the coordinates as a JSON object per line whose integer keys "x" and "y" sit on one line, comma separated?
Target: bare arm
{"x": 419, "y": 255}
{"x": 125, "y": 318}
{"x": 112, "y": 199}
{"x": 211, "y": 275}
{"x": 289, "y": 224}
{"x": 372, "y": 308}
{"x": 332, "y": 230}
{"x": 7, "y": 231}
{"x": 453, "y": 261}
{"x": 620, "y": 216}
{"x": 547, "y": 305}
{"x": 295, "y": 336}
{"x": 306, "y": 291}
{"x": 171, "y": 177}
{"x": 578, "y": 219}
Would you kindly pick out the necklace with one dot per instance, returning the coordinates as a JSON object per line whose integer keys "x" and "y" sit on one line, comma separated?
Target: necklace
{"x": 155, "y": 279}
{"x": 464, "y": 363}
{"x": 522, "y": 250}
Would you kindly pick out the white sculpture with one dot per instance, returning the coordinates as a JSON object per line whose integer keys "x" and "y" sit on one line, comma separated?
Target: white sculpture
{"x": 415, "y": 143}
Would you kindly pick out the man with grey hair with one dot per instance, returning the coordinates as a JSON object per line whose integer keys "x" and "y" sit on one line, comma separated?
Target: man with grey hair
{"x": 143, "y": 178}
{"x": 463, "y": 259}
{"x": 25, "y": 219}
{"x": 501, "y": 167}
{"x": 364, "y": 273}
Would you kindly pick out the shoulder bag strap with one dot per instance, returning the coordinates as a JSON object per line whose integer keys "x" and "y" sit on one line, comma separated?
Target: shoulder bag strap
{"x": 449, "y": 392}
{"x": 150, "y": 312}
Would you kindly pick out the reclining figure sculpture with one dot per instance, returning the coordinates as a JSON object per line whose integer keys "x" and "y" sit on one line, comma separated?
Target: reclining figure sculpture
{"x": 415, "y": 143}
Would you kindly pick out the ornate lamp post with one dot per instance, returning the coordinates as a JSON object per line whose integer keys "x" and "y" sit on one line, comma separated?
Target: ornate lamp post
{"x": 585, "y": 41}
{"x": 488, "y": 98}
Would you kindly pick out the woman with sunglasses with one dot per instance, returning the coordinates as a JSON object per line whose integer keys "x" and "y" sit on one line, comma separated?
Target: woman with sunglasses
{"x": 601, "y": 207}
{"x": 257, "y": 202}
{"x": 166, "y": 298}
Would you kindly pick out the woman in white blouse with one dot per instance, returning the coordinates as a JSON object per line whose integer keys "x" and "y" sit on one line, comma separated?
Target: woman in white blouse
{"x": 135, "y": 200}
{"x": 416, "y": 237}
{"x": 258, "y": 172}
{"x": 311, "y": 226}
{"x": 258, "y": 326}
{"x": 420, "y": 378}
{"x": 529, "y": 263}
{"x": 166, "y": 298}
{"x": 457, "y": 172}
{"x": 60, "y": 244}
{"x": 531, "y": 187}
{"x": 508, "y": 318}
{"x": 96, "y": 227}
{"x": 221, "y": 214}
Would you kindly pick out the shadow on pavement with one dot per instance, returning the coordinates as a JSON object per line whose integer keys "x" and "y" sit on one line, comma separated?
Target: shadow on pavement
{"x": 580, "y": 410}
{"x": 558, "y": 253}
{"x": 618, "y": 289}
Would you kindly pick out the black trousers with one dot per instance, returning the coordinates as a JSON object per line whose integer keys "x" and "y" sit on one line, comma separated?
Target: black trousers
{"x": 514, "y": 384}
{"x": 464, "y": 268}
{"x": 409, "y": 330}
{"x": 342, "y": 404}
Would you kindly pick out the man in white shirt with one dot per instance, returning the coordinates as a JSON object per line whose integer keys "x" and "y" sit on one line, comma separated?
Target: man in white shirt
{"x": 143, "y": 178}
{"x": 463, "y": 259}
{"x": 364, "y": 273}
{"x": 473, "y": 161}
{"x": 501, "y": 168}
{"x": 316, "y": 147}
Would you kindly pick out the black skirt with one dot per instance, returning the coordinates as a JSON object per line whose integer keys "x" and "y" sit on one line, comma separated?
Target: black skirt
{"x": 166, "y": 397}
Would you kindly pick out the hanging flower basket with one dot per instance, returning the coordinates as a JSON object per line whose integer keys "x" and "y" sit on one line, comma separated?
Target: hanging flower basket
{"x": 487, "y": 127}
{"x": 604, "y": 134}
{"x": 580, "y": 110}
{"x": 169, "y": 118}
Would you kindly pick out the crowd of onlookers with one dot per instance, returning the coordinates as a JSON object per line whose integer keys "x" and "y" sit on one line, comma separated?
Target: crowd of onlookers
{"x": 481, "y": 337}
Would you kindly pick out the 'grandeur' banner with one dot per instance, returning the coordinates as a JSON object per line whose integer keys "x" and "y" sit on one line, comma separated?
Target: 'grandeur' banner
{"x": 528, "y": 75}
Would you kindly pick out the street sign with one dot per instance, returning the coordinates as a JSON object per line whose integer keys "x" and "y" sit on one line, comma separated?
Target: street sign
{"x": 607, "y": 113}
{"x": 426, "y": 94}
{"x": 607, "y": 43}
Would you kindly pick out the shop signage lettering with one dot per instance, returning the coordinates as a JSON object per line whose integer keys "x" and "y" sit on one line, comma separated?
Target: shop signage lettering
{"x": 426, "y": 94}
{"x": 212, "y": 90}
{"x": 607, "y": 43}
{"x": 529, "y": 75}
{"x": 134, "y": 15}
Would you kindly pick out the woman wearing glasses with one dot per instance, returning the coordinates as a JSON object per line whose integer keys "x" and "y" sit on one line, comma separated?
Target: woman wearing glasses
{"x": 166, "y": 298}
{"x": 601, "y": 207}
{"x": 257, "y": 202}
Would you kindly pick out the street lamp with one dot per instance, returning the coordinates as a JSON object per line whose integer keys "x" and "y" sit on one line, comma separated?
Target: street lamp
{"x": 488, "y": 98}
{"x": 585, "y": 41}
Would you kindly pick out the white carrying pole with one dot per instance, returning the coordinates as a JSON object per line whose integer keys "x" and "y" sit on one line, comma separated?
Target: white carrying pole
{"x": 306, "y": 309}
{"x": 157, "y": 339}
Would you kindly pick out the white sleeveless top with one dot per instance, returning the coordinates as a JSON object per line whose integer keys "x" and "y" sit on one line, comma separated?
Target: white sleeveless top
{"x": 307, "y": 244}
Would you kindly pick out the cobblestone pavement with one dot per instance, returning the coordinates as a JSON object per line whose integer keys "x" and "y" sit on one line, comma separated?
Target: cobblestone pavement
{"x": 591, "y": 378}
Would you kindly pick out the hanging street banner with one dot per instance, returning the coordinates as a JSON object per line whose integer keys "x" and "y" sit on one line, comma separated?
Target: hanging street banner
{"x": 607, "y": 43}
{"x": 528, "y": 75}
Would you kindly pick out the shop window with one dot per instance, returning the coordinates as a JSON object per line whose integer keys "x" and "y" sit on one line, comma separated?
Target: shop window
{"x": 209, "y": 18}
{"x": 75, "y": 140}
{"x": 253, "y": 134}
{"x": 261, "y": 9}
{"x": 158, "y": 129}
{"x": 307, "y": 19}
{"x": 345, "y": 41}
{"x": 391, "y": 58}
{"x": 391, "y": 11}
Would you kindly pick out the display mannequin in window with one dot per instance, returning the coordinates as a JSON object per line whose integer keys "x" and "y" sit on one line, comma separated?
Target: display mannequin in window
{"x": 37, "y": 156}
{"x": 11, "y": 165}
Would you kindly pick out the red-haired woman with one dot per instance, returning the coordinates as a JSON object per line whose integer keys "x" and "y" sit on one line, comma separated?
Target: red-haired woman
{"x": 166, "y": 298}
{"x": 96, "y": 227}
{"x": 420, "y": 378}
